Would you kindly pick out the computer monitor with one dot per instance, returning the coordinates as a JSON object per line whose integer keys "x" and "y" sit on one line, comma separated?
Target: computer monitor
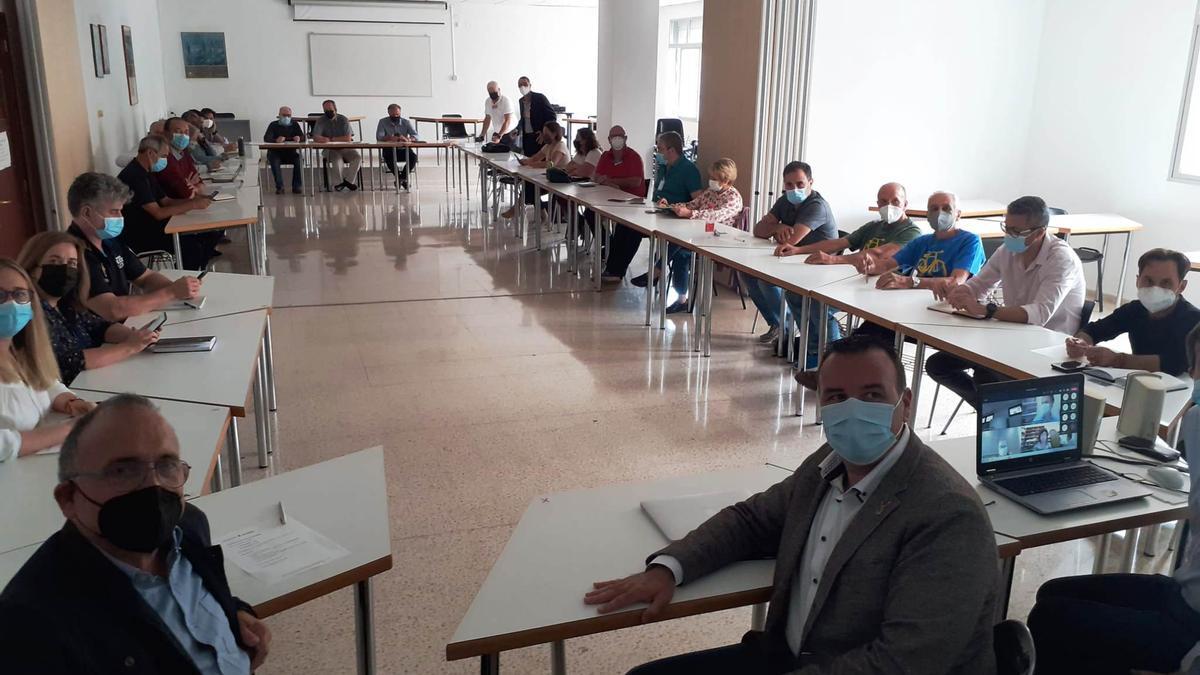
{"x": 1028, "y": 423}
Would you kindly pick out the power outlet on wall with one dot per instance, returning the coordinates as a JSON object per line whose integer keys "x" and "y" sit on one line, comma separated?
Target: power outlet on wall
{"x": 99, "y": 113}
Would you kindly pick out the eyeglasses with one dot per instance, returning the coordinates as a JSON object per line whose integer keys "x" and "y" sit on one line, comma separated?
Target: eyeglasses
{"x": 1007, "y": 229}
{"x": 129, "y": 474}
{"x": 21, "y": 296}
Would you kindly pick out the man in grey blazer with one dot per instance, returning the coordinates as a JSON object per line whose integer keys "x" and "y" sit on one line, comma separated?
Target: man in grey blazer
{"x": 885, "y": 558}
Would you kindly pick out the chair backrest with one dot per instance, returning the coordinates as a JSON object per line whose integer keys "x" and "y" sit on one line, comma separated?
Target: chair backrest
{"x": 453, "y": 129}
{"x": 742, "y": 222}
{"x": 1055, "y": 211}
{"x": 991, "y": 245}
{"x": 666, "y": 124}
{"x": 224, "y": 116}
{"x": 1085, "y": 314}
{"x": 1014, "y": 649}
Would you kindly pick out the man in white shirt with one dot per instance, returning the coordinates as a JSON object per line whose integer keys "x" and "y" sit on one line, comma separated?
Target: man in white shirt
{"x": 1043, "y": 284}
{"x": 499, "y": 115}
{"x": 885, "y": 561}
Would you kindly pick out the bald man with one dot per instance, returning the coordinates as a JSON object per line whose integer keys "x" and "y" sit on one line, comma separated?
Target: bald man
{"x": 499, "y": 115}
{"x": 879, "y": 238}
{"x": 285, "y": 130}
{"x": 132, "y": 582}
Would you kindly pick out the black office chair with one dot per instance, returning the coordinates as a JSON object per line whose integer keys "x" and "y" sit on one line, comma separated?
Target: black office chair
{"x": 666, "y": 124}
{"x": 224, "y": 116}
{"x": 454, "y": 129}
{"x": 1087, "y": 255}
{"x": 1013, "y": 645}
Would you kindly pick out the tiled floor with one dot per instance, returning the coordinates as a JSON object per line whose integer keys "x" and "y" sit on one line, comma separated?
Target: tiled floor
{"x": 490, "y": 375}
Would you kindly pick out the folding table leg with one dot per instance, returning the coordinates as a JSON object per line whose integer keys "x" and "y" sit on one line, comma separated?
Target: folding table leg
{"x": 558, "y": 658}
{"x": 364, "y": 628}
{"x": 650, "y": 284}
{"x": 489, "y": 664}
{"x": 918, "y": 372}
{"x": 233, "y": 447}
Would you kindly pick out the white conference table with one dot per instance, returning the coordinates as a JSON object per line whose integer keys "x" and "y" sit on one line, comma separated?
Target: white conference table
{"x": 223, "y": 377}
{"x": 344, "y": 499}
{"x": 242, "y": 211}
{"x": 566, "y": 541}
{"x": 27, "y": 483}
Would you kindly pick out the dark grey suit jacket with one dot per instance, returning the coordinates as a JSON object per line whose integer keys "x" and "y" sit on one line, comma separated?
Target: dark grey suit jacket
{"x": 910, "y": 587}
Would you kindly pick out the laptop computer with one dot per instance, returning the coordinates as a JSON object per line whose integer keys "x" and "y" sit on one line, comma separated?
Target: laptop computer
{"x": 1028, "y": 446}
{"x": 677, "y": 516}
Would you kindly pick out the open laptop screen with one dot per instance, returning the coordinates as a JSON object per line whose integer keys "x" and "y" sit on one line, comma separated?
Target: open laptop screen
{"x": 1029, "y": 423}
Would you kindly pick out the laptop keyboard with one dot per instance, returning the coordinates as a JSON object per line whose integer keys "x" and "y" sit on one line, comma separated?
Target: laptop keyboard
{"x": 1055, "y": 480}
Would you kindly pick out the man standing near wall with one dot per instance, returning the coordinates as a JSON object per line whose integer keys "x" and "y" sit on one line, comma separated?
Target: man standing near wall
{"x": 535, "y": 112}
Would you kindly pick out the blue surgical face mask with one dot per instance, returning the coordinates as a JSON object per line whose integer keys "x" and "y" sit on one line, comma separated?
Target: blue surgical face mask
{"x": 180, "y": 141}
{"x": 285, "y": 121}
{"x": 1015, "y": 244}
{"x": 113, "y": 225}
{"x": 859, "y": 431}
{"x": 13, "y": 318}
{"x": 796, "y": 196}
{"x": 942, "y": 221}
{"x": 660, "y": 158}
{"x": 159, "y": 164}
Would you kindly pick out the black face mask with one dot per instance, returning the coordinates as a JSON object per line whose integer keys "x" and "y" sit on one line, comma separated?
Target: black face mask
{"x": 329, "y": 114}
{"x": 58, "y": 280}
{"x": 395, "y": 118}
{"x": 494, "y": 95}
{"x": 142, "y": 520}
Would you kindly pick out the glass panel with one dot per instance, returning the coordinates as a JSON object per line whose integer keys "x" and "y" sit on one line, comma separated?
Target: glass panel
{"x": 1189, "y": 153}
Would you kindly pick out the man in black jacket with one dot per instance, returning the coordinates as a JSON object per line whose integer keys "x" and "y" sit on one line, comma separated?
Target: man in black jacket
{"x": 131, "y": 583}
{"x": 285, "y": 130}
{"x": 535, "y": 112}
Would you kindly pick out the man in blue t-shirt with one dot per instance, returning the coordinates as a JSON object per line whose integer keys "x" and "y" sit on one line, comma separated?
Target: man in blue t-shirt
{"x": 800, "y": 217}
{"x": 937, "y": 261}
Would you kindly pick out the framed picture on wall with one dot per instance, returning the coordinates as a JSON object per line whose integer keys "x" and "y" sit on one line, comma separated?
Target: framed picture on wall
{"x": 204, "y": 55}
{"x": 130, "y": 70}
{"x": 97, "y": 50}
{"x": 104, "y": 48}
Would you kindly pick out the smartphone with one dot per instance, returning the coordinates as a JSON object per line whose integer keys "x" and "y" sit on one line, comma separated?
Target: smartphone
{"x": 1068, "y": 366}
{"x": 156, "y": 323}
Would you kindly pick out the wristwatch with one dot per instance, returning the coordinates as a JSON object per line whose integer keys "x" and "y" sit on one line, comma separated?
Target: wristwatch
{"x": 991, "y": 310}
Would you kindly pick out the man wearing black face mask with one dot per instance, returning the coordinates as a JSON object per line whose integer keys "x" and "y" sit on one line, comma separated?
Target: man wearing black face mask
{"x": 131, "y": 582}
{"x": 333, "y": 127}
{"x": 395, "y": 128}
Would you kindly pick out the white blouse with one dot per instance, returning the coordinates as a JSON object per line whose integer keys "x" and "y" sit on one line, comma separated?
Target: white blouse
{"x": 21, "y": 409}
{"x": 592, "y": 158}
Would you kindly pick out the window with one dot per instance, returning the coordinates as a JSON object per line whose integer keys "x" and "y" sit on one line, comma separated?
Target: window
{"x": 1186, "y": 163}
{"x": 683, "y": 53}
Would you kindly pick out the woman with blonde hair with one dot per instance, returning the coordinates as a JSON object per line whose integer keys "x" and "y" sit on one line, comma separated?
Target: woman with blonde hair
{"x": 29, "y": 385}
{"x": 81, "y": 339}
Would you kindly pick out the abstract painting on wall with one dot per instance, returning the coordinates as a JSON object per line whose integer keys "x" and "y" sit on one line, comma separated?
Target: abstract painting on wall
{"x": 204, "y": 55}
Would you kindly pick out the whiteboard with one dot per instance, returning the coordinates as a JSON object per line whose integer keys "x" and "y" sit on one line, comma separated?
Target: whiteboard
{"x": 350, "y": 64}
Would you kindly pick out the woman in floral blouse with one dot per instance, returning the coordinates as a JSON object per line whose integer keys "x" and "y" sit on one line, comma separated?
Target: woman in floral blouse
{"x": 720, "y": 204}
{"x": 80, "y": 338}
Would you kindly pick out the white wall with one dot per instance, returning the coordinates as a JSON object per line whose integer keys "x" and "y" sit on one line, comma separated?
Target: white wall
{"x": 268, "y": 59}
{"x": 1107, "y": 102}
{"x": 626, "y": 80}
{"x": 936, "y": 94}
{"x": 115, "y": 125}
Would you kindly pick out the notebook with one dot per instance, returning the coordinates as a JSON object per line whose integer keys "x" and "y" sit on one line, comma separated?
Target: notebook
{"x": 947, "y": 308}
{"x": 184, "y": 344}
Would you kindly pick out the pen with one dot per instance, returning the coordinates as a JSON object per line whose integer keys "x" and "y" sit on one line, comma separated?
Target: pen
{"x": 282, "y": 514}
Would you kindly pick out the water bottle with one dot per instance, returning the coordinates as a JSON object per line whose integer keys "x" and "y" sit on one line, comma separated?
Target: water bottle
{"x": 241, "y": 147}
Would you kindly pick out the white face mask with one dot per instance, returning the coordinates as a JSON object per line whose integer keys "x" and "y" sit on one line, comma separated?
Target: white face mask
{"x": 714, "y": 184}
{"x": 1156, "y": 299}
{"x": 617, "y": 142}
{"x": 943, "y": 221}
{"x": 524, "y": 90}
{"x": 890, "y": 214}
{"x": 207, "y": 124}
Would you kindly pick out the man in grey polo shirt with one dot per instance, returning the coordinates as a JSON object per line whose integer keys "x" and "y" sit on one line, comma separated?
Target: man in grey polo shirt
{"x": 394, "y": 128}
{"x": 335, "y": 128}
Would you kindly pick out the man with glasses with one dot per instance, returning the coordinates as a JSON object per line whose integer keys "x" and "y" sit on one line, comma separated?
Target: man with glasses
{"x": 1043, "y": 284}
{"x": 131, "y": 582}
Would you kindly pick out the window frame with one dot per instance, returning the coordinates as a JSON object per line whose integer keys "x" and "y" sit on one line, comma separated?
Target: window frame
{"x": 1189, "y": 87}
{"x": 676, "y": 49}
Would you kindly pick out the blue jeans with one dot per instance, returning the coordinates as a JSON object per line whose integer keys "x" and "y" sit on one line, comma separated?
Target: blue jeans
{"x": 680, "y": 260}
{"x": 277, "y": 157}
{"x": 766, "y": 298}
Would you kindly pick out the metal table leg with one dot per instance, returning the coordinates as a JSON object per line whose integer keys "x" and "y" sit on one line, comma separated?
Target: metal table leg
{"x": 662, "y": 282}
{"x": 918, "y": 371}
{"x": 537, "y": 217}
{"x": 1007, "y": 568}
{"x": 781, "y": 344}
{"x": 558, "y": 658}
{"x": 817, "y": 309}
{"x": 269, "y": 353}
{"x": 806, "y": 307}
{"x": 1124, "y": 269}
{"x": 1101, "y": 561}
{"x": 1130, "y": 552}
{"x": 708, "y": 305}
{"x": 260, "y": 416}
{"x": 364, "y": 628}
{"x": 651, "y": 284}
{"x": 597, "y": 238}
{"x": 489, "y": 664}
{"x": 178, "y": 252}
{"x": 233, "y": 447}
{"x": 758, "y": 616}
{"x": 218, "y": 480}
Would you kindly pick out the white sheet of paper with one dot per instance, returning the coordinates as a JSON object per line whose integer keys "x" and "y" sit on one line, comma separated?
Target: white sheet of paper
{"x": 275, "y": 552}
{"x": 1055, "y": 353}
{"x": 5, "y": 151}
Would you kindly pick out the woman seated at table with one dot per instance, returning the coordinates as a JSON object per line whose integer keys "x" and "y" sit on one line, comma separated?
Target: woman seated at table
{"x": 80, "y": 338}
{"x": 553, "y": 153}
{"x": 720, "y": 204}
{"x": 587, "y": 154}
{"x": 29, "y": 385}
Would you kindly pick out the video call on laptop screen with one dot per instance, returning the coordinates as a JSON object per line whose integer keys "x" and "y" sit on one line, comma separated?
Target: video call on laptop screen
{"x": 1038, "y": 419}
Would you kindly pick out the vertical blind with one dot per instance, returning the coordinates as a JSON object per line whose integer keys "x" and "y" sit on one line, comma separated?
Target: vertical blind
{"x": 783, "y": 77}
